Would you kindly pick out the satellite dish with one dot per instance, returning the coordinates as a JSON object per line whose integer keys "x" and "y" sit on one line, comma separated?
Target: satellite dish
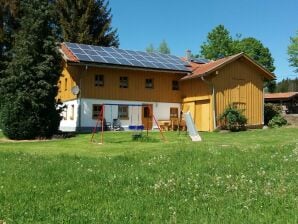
{"x": 75, "y": 90}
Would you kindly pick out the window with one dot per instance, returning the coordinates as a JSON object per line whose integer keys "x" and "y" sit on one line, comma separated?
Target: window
{"x": 123, "y": 112}
{"x": 65, "y": 112}
{"x": 65, "y": 84}
{"x": 175, "y": 85}
{"x": 173, "y": 112}
{"x": 99, "y": 80}
{"x": 149, "y": 83}
{"x": 123, "y": 82}
{"x": 59, "y": 86}
{"x": 71, "y": 112}
{"x": 96, "y": 111}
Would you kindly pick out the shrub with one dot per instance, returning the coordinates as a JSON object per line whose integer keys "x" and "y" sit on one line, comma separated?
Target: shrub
{"x": 270, "y": 111}
{"x": 277, "y": 121}
{"x": 233, "y": 119}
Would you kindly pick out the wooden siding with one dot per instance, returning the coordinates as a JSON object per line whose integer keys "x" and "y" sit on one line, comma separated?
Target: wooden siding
{"x": 195, "y": 89}
{"x": 240, "y": 83}
{"x": 136, "y": 91}
{"x": 68, "y": 74}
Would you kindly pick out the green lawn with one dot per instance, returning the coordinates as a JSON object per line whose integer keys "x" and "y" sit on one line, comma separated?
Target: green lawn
{"x": 247, "y": 177}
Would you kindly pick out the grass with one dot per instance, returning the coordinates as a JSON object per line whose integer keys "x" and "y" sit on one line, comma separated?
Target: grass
{"x": 247, "y": 177}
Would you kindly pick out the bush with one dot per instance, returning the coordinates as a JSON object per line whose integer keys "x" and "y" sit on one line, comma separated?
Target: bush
{"x": 277, "y": 121}
{"x": 271, "y": 111}
{"x": 233, "y": 119}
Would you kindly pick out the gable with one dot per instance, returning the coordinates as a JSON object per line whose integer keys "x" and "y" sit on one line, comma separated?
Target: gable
{"x": 199, "y": 70}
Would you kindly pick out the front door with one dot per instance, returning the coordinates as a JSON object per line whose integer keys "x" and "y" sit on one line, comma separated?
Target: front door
{"x": 147, "y": 112}
{"x": 202, "y": 115}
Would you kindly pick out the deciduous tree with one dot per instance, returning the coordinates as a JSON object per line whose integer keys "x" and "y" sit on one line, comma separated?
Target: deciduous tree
{"x": 293, "y": 52}
{"x": 259, "y": 53}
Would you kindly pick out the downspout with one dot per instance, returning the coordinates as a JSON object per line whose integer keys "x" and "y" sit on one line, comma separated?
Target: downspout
{"x": 211, "y": 85}
{"x": 263, "y": 108}
{"x": 80, "y": 101}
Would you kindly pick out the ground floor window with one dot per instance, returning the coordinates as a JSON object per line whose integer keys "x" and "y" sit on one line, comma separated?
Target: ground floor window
{"x": 123, "y": 112}
{"x": 72, "y": 112}
{"x": 174, "y": 112}
{"x": 96, "y": 109}
{"x": 65, "y": 112}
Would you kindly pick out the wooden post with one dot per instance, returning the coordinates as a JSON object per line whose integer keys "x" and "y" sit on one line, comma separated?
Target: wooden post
{"x": 163, "y": 137}
{"x": 96, "y": 125}
{"x": 102, "y": 122}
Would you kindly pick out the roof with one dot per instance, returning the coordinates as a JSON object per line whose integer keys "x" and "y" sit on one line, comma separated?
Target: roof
{"x": 111, "y": 56}
{"x": 199, "y": 70}
{"x": 277, "y": 96}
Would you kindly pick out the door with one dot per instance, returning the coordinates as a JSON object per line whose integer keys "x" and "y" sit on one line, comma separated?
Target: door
{"x": 147, "y": 112}
{"x": 202, "y": 115}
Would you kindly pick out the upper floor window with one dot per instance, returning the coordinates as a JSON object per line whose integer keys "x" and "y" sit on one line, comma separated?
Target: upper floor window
{"x": 175, "y": 85}
{"x": 59, "y": 86}
{"x": 149, "y": 83}
{"x": 99, "y": 80}
{"x": 65, "y": 84}
{"x": 123, "y": 82}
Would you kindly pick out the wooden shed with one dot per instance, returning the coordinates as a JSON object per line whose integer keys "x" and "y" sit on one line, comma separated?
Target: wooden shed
{"x": 213, "y": 86}
{"x": 288, "y": 101}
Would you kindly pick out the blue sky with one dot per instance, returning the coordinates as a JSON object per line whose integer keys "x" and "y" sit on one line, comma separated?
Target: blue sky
{"x": 185, "y": 24}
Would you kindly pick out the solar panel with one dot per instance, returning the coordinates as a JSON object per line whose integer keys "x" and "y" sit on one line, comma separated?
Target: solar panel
{"x": 115, "y": 56}
{"x": 200, "y": 60}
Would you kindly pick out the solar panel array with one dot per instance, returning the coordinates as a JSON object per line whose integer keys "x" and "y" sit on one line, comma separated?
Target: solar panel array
{"x": 200, "y": 60}
{"x": 115, "y": 56}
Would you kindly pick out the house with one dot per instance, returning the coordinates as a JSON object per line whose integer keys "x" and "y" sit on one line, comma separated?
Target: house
{"x": 288, "y": 101}
{"x": 120, "y": 77}
{"x": 125, "y": 80}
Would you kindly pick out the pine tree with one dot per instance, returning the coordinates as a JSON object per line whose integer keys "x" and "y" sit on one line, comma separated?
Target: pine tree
{"x": 164, "y": 48}
{"x": 150, "y": 48}
{"x": 219, "y": 44}
{"x": 87, "y": 21}
{"x": 28, "y": 88}
{"x": 9, "y": 10}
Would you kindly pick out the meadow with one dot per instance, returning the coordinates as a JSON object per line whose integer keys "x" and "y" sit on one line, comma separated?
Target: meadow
{"x": 245, "y": 177}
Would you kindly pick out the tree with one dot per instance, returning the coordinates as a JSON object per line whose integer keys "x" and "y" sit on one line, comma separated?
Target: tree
{"x": 255, "y": 50}
{"x": 219, "y": 44}
{"x": 293, "y": 52}
{"x": 287, "y": 85}
{"x": 28, "y": 88}
{"x": 258, "y": 52}
{"x": 150, "y": 48}
{"x": 163, "y": 48}
{"x": 87, "y": 21}
{"x": 9, "y": 10}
